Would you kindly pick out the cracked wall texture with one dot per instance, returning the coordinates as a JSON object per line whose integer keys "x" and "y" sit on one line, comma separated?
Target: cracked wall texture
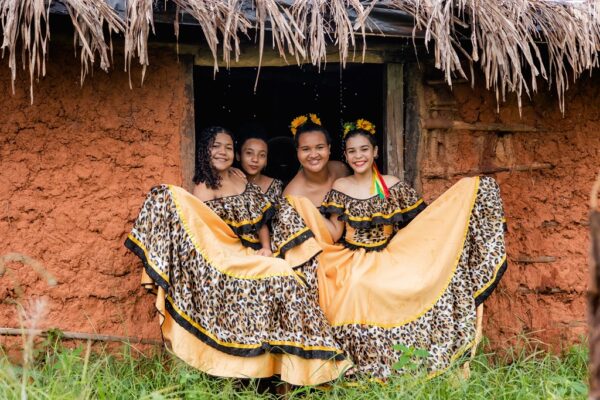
{"x": 546, "y": 208}
{"x": 75, "y": 166}
{"x": 74, "y": 169}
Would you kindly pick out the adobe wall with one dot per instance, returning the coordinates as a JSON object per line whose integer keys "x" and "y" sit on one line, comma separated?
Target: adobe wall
{"x": 75, "y": 166}
{"x": 74, "y": 169}
{"x": 546, "y": 197}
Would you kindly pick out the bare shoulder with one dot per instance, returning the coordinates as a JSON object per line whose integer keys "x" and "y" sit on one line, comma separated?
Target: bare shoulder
{"x": 202, "y": 192}
{"x": 292, "y": 187}
{"x": 240, "y": 182}
{"x": 390, "y": 180}
{"x": 342, "y": 184}
{"x": 338, "y": 169}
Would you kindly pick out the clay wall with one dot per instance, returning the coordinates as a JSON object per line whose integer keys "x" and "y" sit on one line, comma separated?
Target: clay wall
{"x": 75, "y": 165}
{"x": 74, "y": 169}
{"x": 545, "y": 176}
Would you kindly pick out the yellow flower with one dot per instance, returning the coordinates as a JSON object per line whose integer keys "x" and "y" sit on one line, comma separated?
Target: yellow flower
{"x": 315, "y": 120}
{"x": 296, "y": 122}
{"x": 366, "y": 125}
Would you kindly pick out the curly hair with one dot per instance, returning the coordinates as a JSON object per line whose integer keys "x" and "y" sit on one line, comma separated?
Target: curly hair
{"x": 356, "y": 132}
{"x": 204, "y": 171}
{"x": 311, "y": 127}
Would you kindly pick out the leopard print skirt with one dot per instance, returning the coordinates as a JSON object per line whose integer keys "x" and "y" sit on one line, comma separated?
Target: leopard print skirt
{"x": 448, "y": 328}
{"x": 375, "y": 300}
{"x": 236, "y": 311}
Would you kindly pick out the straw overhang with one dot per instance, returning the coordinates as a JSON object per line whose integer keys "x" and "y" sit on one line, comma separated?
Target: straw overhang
{"x": 514, "y": 42}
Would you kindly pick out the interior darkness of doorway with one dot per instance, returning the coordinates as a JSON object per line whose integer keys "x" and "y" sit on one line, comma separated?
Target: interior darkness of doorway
{"x": 228, "y": 99}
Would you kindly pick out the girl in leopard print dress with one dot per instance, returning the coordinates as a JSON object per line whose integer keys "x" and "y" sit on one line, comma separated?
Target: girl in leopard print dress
{"x": 288, "y": 231}
{"x": 226, "y": 306}
{"x": 395, "y": 272}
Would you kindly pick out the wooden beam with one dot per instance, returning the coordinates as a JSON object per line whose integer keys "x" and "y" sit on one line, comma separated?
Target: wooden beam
{"x": 187, "y": 130}
{"x": 472, "y": 172}
{"x": 534, "y": 260}
{"x": 548, "y": 291}
{"x": 437, "y": 123}
{"x": 78, "y": 336}
{"x": 413, "y": 149}
{"x": 394, "y": 120}
{"x": 436, "y": 82}
{"x": 249, "y": 56}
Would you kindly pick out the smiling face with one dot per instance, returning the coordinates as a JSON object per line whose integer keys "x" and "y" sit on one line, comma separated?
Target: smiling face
{"x": 221, "y": 152}
{"x": 360, "y": 153}
{"x": 313, "y": 151}
{"x": 253, "y": 156}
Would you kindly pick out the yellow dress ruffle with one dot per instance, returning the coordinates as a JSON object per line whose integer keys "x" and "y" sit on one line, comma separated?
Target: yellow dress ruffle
{"x": 422, "y": 288}
{"x": 225, "y": 310}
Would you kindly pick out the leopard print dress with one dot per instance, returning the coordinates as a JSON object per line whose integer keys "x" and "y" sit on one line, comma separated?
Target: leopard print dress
{"x": 288, "y": 230}
{"x": 232, "y": 312}
{"x": 447, "y": 328}
{"x": 275, "y": 191}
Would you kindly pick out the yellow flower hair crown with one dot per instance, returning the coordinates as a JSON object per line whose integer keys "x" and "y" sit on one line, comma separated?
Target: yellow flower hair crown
{"x": 301, "y": 120}
{"x": 359, "y": 124}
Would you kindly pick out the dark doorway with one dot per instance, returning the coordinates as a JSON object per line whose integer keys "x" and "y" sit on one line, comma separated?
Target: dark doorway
{"x": 228, "y": 99}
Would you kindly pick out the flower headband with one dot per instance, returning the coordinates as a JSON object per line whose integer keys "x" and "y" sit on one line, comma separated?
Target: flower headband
{"x": 301, "y": 120}
{"x": 359, "y": 124}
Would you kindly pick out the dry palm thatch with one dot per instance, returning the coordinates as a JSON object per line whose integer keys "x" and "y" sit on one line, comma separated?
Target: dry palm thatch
{"x": 514, "y": 41}
{"x": 506, "y": 38}
{"x": 26, "y": 22}
{"x": 89, "y": 18}
{"x": 139, "y": 22}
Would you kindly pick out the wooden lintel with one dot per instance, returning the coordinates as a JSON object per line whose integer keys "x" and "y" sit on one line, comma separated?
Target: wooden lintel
{"x": 484, "y": 171}
{"x": 534, "y": 260}
{"x": 78, "y": 336}
{"x": 442, "y": 108}
{"x": 249, "y": 57}
{"x": 438, "y": 123}
{"x": 436, "y": 82}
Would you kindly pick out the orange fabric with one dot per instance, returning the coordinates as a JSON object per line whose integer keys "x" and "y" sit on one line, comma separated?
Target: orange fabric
{"x": 291, "y": 369}
{"x": 215, "y": 240}
{"x": 403, "y": 281}
{"x": 219, "y": 245}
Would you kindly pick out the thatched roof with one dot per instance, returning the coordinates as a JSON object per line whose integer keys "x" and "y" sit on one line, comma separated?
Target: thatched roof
{"x": 514, "y": 42}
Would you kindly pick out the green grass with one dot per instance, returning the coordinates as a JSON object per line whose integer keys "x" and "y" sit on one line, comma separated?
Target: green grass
{"x": 72, "y": 373}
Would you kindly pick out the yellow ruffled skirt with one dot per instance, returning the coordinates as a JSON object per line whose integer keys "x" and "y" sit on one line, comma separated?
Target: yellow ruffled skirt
{"x": 423, "y": 288}
{"x": 223, "y": 309}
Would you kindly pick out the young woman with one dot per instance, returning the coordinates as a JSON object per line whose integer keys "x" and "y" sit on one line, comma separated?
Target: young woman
{"x": 291, "y": 238}
{"x": 252, "y": 157}
{"x": 383, "y": 281}
{"x": 313, "y": 147}
{"x": 225, "y": 307}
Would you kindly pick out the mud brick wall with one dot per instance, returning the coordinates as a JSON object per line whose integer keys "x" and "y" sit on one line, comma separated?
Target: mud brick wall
{"x": 545, "y": 190}
{"x": 74, "y": 169}
{"x": 75, "y": 166}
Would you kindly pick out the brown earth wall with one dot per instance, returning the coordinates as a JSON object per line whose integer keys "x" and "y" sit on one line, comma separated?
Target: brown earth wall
{"x": 75, "y": 165}
{"x": 74, "y": 170}
{"x": 543, "y": 294}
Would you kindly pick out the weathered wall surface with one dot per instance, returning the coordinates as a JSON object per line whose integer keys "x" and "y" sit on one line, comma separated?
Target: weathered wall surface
{"x": 74, "y": 170}
{"x": 546, "y": 192}
{"x": 75, "y": 165}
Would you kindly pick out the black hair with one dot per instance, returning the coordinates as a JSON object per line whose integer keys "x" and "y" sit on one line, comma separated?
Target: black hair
{"x": 251, "y": 131}
{"x": 310, "y": 126}
{"x": 356, "y": 132}
{"x": 204, "y": 171}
